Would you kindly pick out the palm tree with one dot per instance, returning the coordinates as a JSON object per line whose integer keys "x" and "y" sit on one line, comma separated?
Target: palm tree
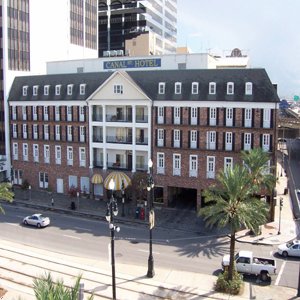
{"x": 45, "y": 288}
{"x": 231, "y": 203}
{"x": 5, "y": 194}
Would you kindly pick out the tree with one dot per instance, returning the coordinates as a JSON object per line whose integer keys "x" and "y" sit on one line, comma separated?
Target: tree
{"x": 5, "y": 194}
{"x": 232, "y": 203}
{"x": 46, "y": 289}
{"x": 138, "y": 187}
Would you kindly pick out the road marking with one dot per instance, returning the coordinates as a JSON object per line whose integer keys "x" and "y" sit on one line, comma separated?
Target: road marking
{"x": 72, "y": 237}
{"x": 280, "y": 273}
{"x": 142, "y": 250}
{"x": 12, "y": 224}
{"x": 81, "y": 228}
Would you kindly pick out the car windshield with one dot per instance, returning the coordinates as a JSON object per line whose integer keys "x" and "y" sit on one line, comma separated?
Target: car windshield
{"x": 289, "y": 244}
{"x": 42, "y": 217}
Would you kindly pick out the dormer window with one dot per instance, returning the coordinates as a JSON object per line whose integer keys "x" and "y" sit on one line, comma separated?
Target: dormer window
{"x": 161, "y": 88}
{"x": 70, "y": 89}
{"x": 25, "y": 88}
{"x": 35, "y": 90}
{"x": 212, "y": 88}
{"x": 248, "y": 88}
{"x": 57, "y": 89}
{"x": 82, "y": 88}
{"x": 177, "y": 87}
{"x": 230, "y": 88}
{"x": 195, "y": 88}
{"x": 46, "y": 90}
{"x": 118, "y": 89}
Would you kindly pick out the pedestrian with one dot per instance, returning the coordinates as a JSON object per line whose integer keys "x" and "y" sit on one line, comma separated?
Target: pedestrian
{"x": 52, "y": 202}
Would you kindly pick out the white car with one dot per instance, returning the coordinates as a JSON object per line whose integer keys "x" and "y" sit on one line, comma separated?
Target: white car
{"x": 37, "y": 220}
{"x": 291, "y": 248}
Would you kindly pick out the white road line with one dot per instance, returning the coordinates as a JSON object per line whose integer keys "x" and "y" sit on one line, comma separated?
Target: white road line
{"x": 142, "y": 250}
{"x": 280, "y": 273}
{"x": 81, "y": 228}
{"x": 12, "y": 224}
{"x": 72, "y": 237}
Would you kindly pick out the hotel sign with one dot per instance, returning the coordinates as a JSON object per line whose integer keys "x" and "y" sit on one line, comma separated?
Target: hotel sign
{"x": 132, "y": 63}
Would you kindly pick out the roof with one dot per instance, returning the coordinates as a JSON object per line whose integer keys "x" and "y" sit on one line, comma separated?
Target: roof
{"x": 262, "y": 88}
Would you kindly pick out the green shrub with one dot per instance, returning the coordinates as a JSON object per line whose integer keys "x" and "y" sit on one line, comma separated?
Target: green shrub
{"x": 232, "y": 287}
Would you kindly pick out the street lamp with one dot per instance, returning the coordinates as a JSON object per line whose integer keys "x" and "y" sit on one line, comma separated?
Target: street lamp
{"x": 280, "y": 208}
{"x": 150, "y": 189}
{"x": 78, "y": 200}
{"x": 112, "y": 210}
{"x": 123, "y": 199}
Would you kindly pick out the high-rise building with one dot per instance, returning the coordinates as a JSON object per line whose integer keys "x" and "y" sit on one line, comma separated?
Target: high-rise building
{"x": 135, "y": 28}
{"x": 34, "y": 32}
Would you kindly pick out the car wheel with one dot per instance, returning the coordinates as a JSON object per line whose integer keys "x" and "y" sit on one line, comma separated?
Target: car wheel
{"x": 264, "y": 276}
{"x": 25, "y": 222}
{"x": 38, "y": 225}
{"x": 285, "y": 254}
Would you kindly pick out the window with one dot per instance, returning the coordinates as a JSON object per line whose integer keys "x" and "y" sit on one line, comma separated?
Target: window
{"x": 57, "y": 113}
{"x": 248, "y": 117}
{"x": 210, "y": 167}
{"x": 248, "y": 88}
{"x": 211, "y": 140}
{"x": 212, "y": 88}
{"x": 15, "y": 131}
{"x": 194, "y": 116}
{"x": 15, "y": 151}
{"x": 228, "y": 141}
{"x": 14, "y": 112}
{"x": 24, "y": 113}
{"x": 176, "y": 164}
{"x": 160, "y": 137}
{"x": 46, "y": 90}
{"x": 195, "y": 88}
{"x": 46, "y": 132}
{"x": 266, "y": 142}
{"x": 118, "y": 89}
{"x": 81, "y": 113}
{"x": 46, "y": 154}
{"x": 176, "y": 115}
{"x": 228, "y": 163}
{"x": 160, "y": 115}
{"x": 193, "y": 141}
{"x": 82, "y": 157}
{"x": 25, "y": 129}
{"x": 69, "y": 89}
{"x": 57, "y": 89}
{"x": 35, "y": 90}
{"x": 44, "y": 180}
{"x": 70, "y": 133}
{"x": 160, "y": 163}
{"x": 46, "y": 113}
{"x": 25, "y": 152}
{"x": 267, "y": 118}
{"x": 161, "y": 88}
{"x": 177, "y": 87}
{"x": 35, "y": 132}
{"x": 229, "y": 117}
{"x": 82, "y": 134}
{"x": 70, "y": 156}
{"x": 58, "y": 155}
{"x": 193, "y": 172}
{"x": 230, "y": 88}
{"x": 247, "y": 141}
{"x": 213, "y": 116}
{"x": 25, "y": 89}
{"x": 57, "y": 132}
{"x": 35, "y": 150}
{"x": 69, "y": 113}
{"x": 82, "y": 88}
{"x": 34, "y": 113}
{"x": 176, "y": 137}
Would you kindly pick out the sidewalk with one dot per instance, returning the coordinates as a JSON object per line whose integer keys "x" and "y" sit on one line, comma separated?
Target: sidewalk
{"x": 178, "y": 220}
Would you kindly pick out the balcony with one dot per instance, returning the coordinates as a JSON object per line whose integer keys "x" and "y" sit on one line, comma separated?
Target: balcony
{"x": 141, "y": 141}
{"x": 97, "y": 139}
{"x": 119, "y": 139}
{"x": 98, "y": 163}
{"x": 98, "y": 117}
{"x": 118, "y": 118}
{"x": 141, "y": 119}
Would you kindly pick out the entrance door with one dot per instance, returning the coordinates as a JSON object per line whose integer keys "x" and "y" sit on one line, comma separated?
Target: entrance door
{"x": 60, "y": 185}
{"x": 129, "y": 162}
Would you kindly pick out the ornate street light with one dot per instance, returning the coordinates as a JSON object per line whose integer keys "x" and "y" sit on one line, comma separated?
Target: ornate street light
{"x": 150, "y": 189}
{"x": 112, "y": 210}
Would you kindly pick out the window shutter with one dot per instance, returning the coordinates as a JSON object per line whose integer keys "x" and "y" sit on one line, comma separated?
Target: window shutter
{"x": 189, "y": 122}
{"x": 272, "y": 118}
{"x": 271, "y": 143}
{"x": 224, "y": 116}
{"x": 243, "y": 141}
{"x": 181, "y": 115}
{"x": 156, "y": 114}
{"x": 243, "y": 118}
{"x": 217, "y": 116}
{"x": 78, "y": 133}
{"x": 156, "y": 137}
{"x": 43, "y": 127}
{"x": 207, "y": 116}
{"x": 261, "y": 140}
{"x": 78, "y": 113}
{"x": 261, "y": 118}
{"x": 252, "y": 140}
{"x": 233, "y": 117}
{"x": 198, "y": 115}
{"x": 66, "y": 133}
{"x": 253, "y": 117}
{"x": 165, "y": 115}
{"x": 233, "y": 143}
{"x": 181, "y": 138}
{"x": 164, "y": 138}
{"x": 73, "y": 134}
{"x": 189, "y": 139}
{"x": 172, "y": 115}
{"x": 172, "y": 140}
{"x": 224, "y": 140}
{"x": 198, "y": 140}
{"x": 217, "y": 140}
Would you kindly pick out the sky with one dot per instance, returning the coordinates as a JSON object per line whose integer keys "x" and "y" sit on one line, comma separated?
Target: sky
{"x": 268, "y": 31}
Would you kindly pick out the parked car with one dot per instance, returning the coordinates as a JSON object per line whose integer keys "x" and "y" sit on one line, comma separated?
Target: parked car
{"x": 291, "y": 248}
{"x": 37, "y": 220}
{"x": 247, "y": 263}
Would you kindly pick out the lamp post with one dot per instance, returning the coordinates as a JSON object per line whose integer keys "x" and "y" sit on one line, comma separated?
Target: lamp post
{"x": 280, "y": 208}
{"x": 112, "y": 210}
{"x": 29, "y": 188}
{"x": 150, "y": 187}
{"x": 123, "y": 199}
{"x": 78, "y": 200}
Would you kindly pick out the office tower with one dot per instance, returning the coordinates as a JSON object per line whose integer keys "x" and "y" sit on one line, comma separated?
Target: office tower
{"x": 147, "y": 27}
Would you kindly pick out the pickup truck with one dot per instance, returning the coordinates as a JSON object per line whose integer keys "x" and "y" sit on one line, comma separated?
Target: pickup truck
{"x": 246, "y": 263}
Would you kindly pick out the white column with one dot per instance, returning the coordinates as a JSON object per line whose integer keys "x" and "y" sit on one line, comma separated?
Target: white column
{"x": 104, "y": 139}
{"x": 133, "y": 139}
{"x": 149, "y": 131}
{"x": 91, "y": 135}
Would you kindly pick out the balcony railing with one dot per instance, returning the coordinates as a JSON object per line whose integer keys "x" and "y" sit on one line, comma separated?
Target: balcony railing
{"x": 141, "y": 119}
{"x": 119, "y": 139}
{"x": 117, "y": 165}
{"x": 141, "y": 167}
{"x": 141, "y": 141}
{"x": 115, "y": 118}
{"x": 97, "y": 117}
{"x": 98, "y": 163}
{"x": 97, "y": 139}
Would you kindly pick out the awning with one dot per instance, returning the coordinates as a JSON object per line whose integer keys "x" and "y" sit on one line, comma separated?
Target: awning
{"x": 118, "y": 178}
{"x": 97, "y": 179}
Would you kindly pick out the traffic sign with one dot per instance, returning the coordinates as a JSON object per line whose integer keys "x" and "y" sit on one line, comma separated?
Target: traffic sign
{"x": 296, "y": 98}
